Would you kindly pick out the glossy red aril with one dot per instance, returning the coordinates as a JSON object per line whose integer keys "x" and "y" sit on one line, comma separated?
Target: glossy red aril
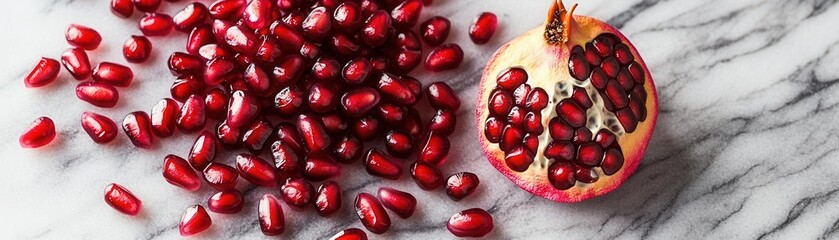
{"x": 193, "y": 115}
{"x": 399, "y": 144}
{"x": 242, "y": 110}
{"x": 271, "y": 216}
{"x": 217, "y": 70}
{"x": 178, "y": 172}
{"x": 396, "y": 90}
{"x": 98, "y": 94}
{"x": 119, "y": 198}
{"x": 191, "y": 16}
{"x": 215, "y": 104}
{"x": 375, "y": 29}
{"x": 406, "y": 14}
{"x": 257, "y": 14}
{"x": 297, "y": 193}
{"x": 194, "y": 220}
{"x": 147, "y": 5}
{"x": 76, "y": 61}
{"x": 100, "y": 128}
{"x": 358, "y": 102}
{"x": 442, "y": 96}
{"x": 443, "y": 122}
{"x": 136, "y": 49}
{"x": 328, "y": 199}
{"x": 435, "y": 30}
{"x": 122, "y": 8}
{"x": 312, "y": 131}
{"x": 445, "y": 57}
{"x": 137, "y": 126}
{"x": 350, "y": 234}
{"x": 164, "y": 115}
{"x": 483, "y": 27}
{"x": 356, "y": 71}
{"x": 399, "y": 202}
{"x": 334, "y": 123}
{"x": 473, "y": 222}
{"x": 39, "y": 133}
{"x": 182, "y": 64}
{"x": 226, "y": 202}
{"x": 319, "y": 167}
{"x": 45, "y": 72}
{"x": 348, "y": 149}
{"x": 347, "y": 17}
{"x": 380, "y": 164}
{"x": 546, "y": 92}
{"x": 433, "y": 148}
{"x": 83, "y": 37}
{"x": 256, "y": 135}
{"x": 221, "y": 176}
{"x": 113, "y": 74}
{"x": 198, "y": 37}
{"x": 317, "y": 24}
{"x": 203, "y": 151}
{"x": 371, "y": 213}
{"x": 156, "y": 24}
{"x": 256, "y": 170}
{"x": 461, "y": 185}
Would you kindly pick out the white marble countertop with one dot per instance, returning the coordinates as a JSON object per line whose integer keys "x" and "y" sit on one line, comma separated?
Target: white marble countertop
{"x": 746, "y": 145}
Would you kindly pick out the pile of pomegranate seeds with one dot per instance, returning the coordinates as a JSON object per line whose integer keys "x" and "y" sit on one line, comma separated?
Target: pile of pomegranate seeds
{"x": 310, "y": 82}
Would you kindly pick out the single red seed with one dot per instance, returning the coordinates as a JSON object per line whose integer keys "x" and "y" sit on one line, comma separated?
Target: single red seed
{"x": 399, "y": 202}
{"x": 164, "y": 116}
{"x": 610, "y": 67}
{"x": 616, "y": 95}
{"x": 314, "y": 135}
{"x": 256, "y": 135}
{"x": 156, "y": 24}
{"x": 199, "y": 36}
{"x": 483, "y": 27}
{"x": 190, "y": 17}
{"x": 113, "y": 74}
{"x": 511, "y": 138}
{"x": 326, "y": 68}
{"x": 374, "y": 31}
{"x": 100, "y": 128}
{"x": 512, "y": 78}
{"x": 45, "y": 72}
{"x": 347, "y": 17}
{"x": 493, "y": 130}
{"x": 182, "y": 64}
{"x": 561, "y": 175}
{"x": 241, "y": 39}
{"x": 396, "y": 90}
{"x": 350, "y": 234}
{"x": 461, "y": 185}
{"x": 137, "y": 126}
{"x": 435, "y": 30}
{"x": 297, "y": 193}
{"x": 433, "y": 149}
{"x": 390, "y": 113}
{"x": 328, "y": 200}
{"x": 76, "y": 62}
{"x": 287, "y": 133}
{"x": 348, "y": 149}
{"x": 193, "y": 115}
{"x": 226, "y": 202}
{"x": 627, "y": 119}
{"x": 368, "y": 7}
{"x": 356, "y": 71}
{"x": 371, "y": 213}
{"x": 319, "y": 167}
{"x": 473, "y": 222}
{"x": 119, "y": 198}
{"x": 256, "y": 79}
{"x": 612, "y": 161}
{"x": 186, "y": 86}
{"x": 136, "y": 49}
{"x": 203, "y": 151}
{"x": 317, "y": 24}
{"x": 578, "y": 66}
{"x": 39, "y": 133}
{"x": 572, "y": 113}
{"x": 585, "y": 175}
{"x": 147, "y": 5}
{"x": 406, "y": 39}
{"x": 521, "y": 93}
{"x": 83, "y": 37}
{"x": 286, "y": 159}
{"x": 398, "y": 143}
{"x": 592, "y": 56}
{"x": 227, "y": 9}
{"x": 406, "y": 14}
{"x": 516, "y": 117}
{"x": 229, "y": 137}
{"x": 604, "y": 44}
{"x": 257, "y": 14}
{"x": 288, "y": 101}
{"x": 426, "y": 175}
{"x": 216, "y": 104}
{"x": 559, "y": 130}
{"x": 294, "y": 19}
{"x": 122, "y": 8}
{"x": 358, "y": 102}
{"x": 405, "y": 60}
{"x": 242, "y": 110}
{"x": 178, "y": 172}
{"x": 221, "y": 176}
{"x": 519, "y": 159}
{"x": 533, "y": 123}
{"x": 445, "y": 57}
{"x": 379, "y": 164}
{"x": 194, "y": 220}
{"x": 561, "y": 151}
{"x": 443, "y": 122}
{"x": 323, "y": 97}
{"x": 98, "y": 94}
{"x": 256, "y": 170}
{"x": 271, "y": 217}
{"x": 289, "y": 38}
{"x": 589, "y": 154}
{"x": 268, "y": 49}
{"x": 500, "y": 103}
{"x": 288, "y": 70}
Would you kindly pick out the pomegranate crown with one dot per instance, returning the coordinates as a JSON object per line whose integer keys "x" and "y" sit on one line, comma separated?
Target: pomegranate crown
{"x": 558, "y": 23}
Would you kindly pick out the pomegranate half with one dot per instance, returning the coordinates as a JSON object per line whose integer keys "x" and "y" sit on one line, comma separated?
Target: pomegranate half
{"x": 566, "y": 110}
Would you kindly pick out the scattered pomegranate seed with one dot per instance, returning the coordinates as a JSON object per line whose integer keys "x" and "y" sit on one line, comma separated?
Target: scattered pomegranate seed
{"x": 371, "y": 213}
{"x": 195, "y": 220}
{"x": 113, "y": 74}
{"x": 256, "y": 170}
{"x": 399, "y": 202}
{"x": 483, "y": 27}
{"x": 156, "y": 24}
{"x": 350, "y": 234}
{"x": 435, "y": 30}
{"x": 297, "y": 193}
{"x": 122, "y": 8}
{"x": 473, "y": 222}
{"x": 271, "y": 217}
{"x": 100, "y": 128}
{"x": 179, "y": 173}
{"x": 83, "y": 37}
{"x": 380, "y": 164}
{"x": 226, "y": 202}
{"x": 441, "y": 96}
{"x": 100, "y": 95}
{"x": 426, "y": 175}
{"x": 191, "y": 16}
{"x": 193, "y": 115}
{"x": 138, "y": 128}
{"x": 445, "y": 57}
{"x": 147, "y": 5}
{"x": 137, "y": 49}
{"x": 76, "y": 62}
{"x": 328, "y": 200}
{"x": 41, "y": 132}
{"x": 406, "y": 14}
{"x": 461, "y": 185}
{"x": 119, "y": 198}
{"x": 45, "y": 72}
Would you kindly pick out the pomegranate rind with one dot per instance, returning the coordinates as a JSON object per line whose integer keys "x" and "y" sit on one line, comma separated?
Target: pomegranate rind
{"x": 524, "y": 51}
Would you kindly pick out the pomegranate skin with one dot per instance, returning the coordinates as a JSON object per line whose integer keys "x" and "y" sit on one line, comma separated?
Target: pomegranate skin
{"x": 100, "y": 128}
{"x": 473, "y": 222}
{"x": 40, "y": 132}
{"x": 83, "y": 37}
{"x": 119, "y": 198}
{"x": 45, "y": 72}
{"x": 76, "y": 61}
{"x": 194, "y": 220}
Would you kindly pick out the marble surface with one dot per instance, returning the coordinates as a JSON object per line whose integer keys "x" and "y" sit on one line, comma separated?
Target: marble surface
{"x": 746, "y": 145}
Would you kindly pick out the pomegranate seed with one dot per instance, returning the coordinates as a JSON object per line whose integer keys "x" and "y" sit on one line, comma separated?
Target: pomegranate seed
{"x": 426, "y": 175}
{"x": 137, "y": 126}
{"x": 461, "y": 185}
{"x": 217, "y": 70}
{"x": 441, "y": 96}
{"x": 83, "y": 37}
{"x": 100, "y": 95}
{"x": 45, "y": 72}
{"x": 156, "y": 24}
{"x": 350, "y": 234}
{"x": 122, "y": 8}
{"x": 268, "y": 49}
{"x": 216, "y": 104}
{"x": 371, "y": 213}
{"x": 561, "y": 175}
{"x": 443, "y": 122}
{"x": 368, "y": 7}
{"x": 375, "y": 29}
{"x": 190, "y": 17}
{"x": 380, "y": 164}
{"x": 348, "y": 150}
{"x": 334, "y": 123}
{"x": 328, "y": 200}
{"x": 193, "y": 115}
{"x": 221, "y": 176}
{"x": 113, "y": 74}
{"x": 473, "y": 222}
{"x": 119, "y": 198}
{"x": 182, "y": 64}
{"x": 257, "y": 14}
{"x": 445, "y": 57}
{"x": 288, "y": 101}
{"x": 163, "y": 117}
{"x": 317, "y": 24}
{"x": 356, "y": 71}
{"x": 199, "y": 36}
{"x": 434, "y": 148}
{"x": 483, "y": 27}
{"x": 288, "y": 70}
{"x": 358, "y": 102}
{"x": 313, "y": 133}
{"x": 521, "y": 93}
{"x": 285, "y": 159}
{"x": 226, "y": 202}
{"x": 435, "y": 30}
{"x": 366, "y": 128}
{"x": 347, "y": 17}
{"x": 271, "y": 217}
{"x": 147, "y": 5}
{"x": 519, "y": 159}
{"x": 398, "y": 143}
{"x": 512, "y": 78}
{"x": 399, "y": 202}
{"x": 76, "y": 62}
{"x": 287, "y": 133}
{"x": 227, "y": 9}
{"x": 581, "y": 135}
{"x": 390, "y": 113}
{"x": 297, "y": 193}
{"x": 256, "y": 135}
{"x": 203, "y": 151}
{"x": 256, "y": 170}
{"x": 405, "y": 15}
{"x": 326, "y": 68}
{"x": 242, "y": 110}
{"x": 627, "y": 119}
{"x": 136, "y": 49}
{"x": 100, "y": 128}
{"x": 406, "y": 39}
{"x": 256, "y": 79}
{"x": 289, "y": 38}
{"x": 393, "y": 88}
{"x": 179, "y": 173}
{"x": 39, "y": 133}
{"x": 320, "y": 167}
{"x": 195, "y": 220}
{"x": 241, "y": 40}
{"x": 343, "y": 45}
{"x": 295, "y": 19}
{"x": 612, "y": 161}
{"x": 229, "y": 137}
{"x": 404, "y": 60}
{"x": 494, "y": 129}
